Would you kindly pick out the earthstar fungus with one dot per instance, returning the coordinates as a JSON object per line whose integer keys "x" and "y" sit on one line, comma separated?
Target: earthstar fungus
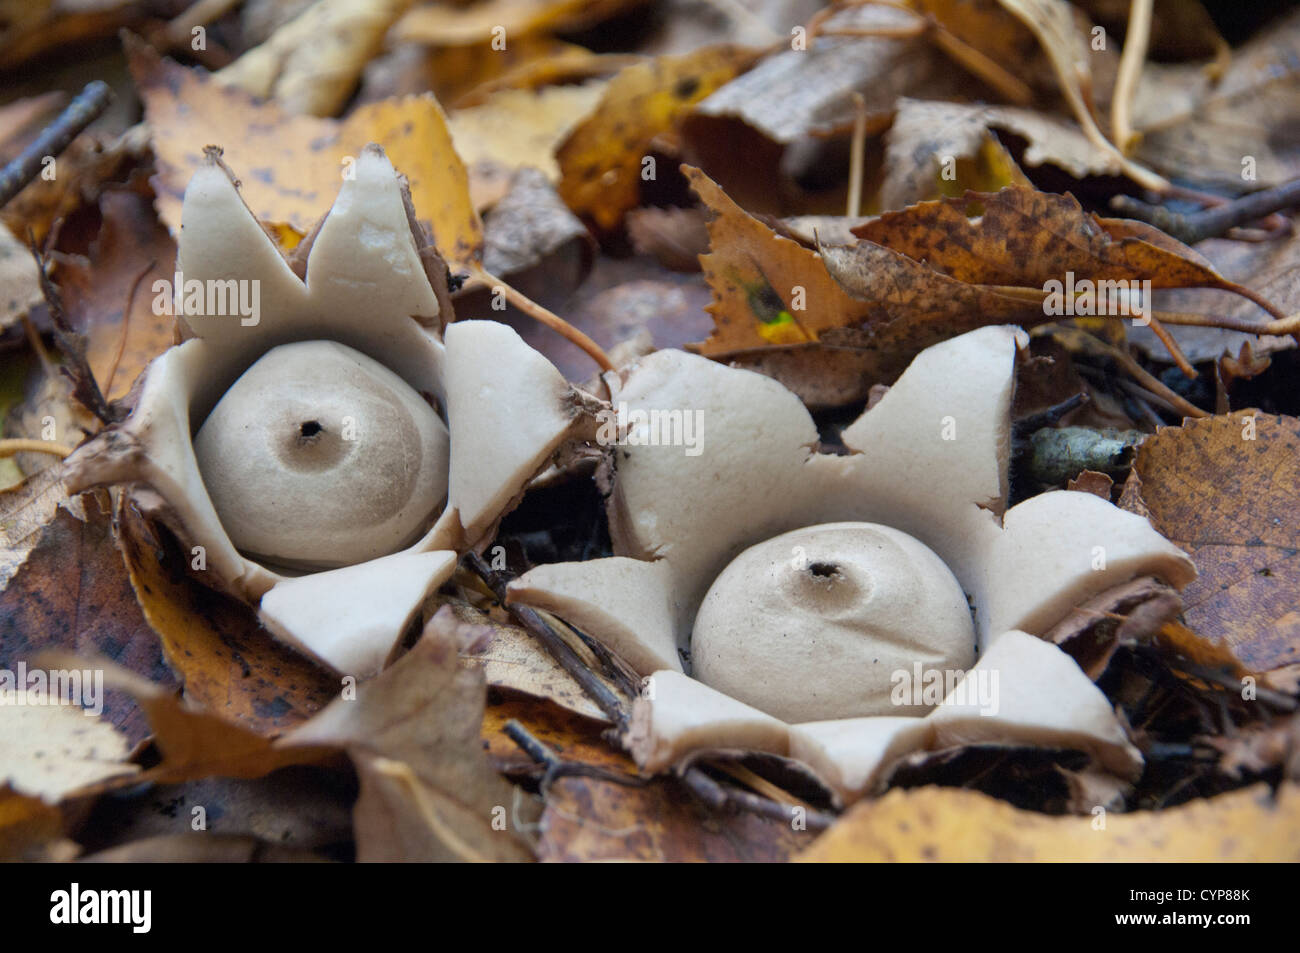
{"x": 809, "y": 588}
{"x": 334, "y": 456}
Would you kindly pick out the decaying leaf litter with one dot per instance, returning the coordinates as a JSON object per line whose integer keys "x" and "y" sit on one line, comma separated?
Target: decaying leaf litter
{"x": 853, "y": 202}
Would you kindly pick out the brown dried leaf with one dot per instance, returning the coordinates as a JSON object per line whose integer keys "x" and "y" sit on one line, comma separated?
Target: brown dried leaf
{"x": 193, "y": 743}
{"x": 228, "y": 662}
{"x": 311, "y": 64}
{"x": 601, "y": 161}
{"x": 1231, "y": 131}
{"x": 131, "y": 249}
{"x": 769, "y": 290}
{"x": 69, "y": 591}
{"x": 427, "y": 789}
{"x": 1024, "y": 237}
{"x": 1224, "y": 489}
{"x": 293, "y": 164}
{"x": 587, "y": 820}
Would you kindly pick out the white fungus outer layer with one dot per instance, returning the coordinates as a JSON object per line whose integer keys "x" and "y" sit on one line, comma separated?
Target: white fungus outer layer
{"x": 319, "y": 456}
{"x": 813, "y": 624}
{"x": 362, "y": 280}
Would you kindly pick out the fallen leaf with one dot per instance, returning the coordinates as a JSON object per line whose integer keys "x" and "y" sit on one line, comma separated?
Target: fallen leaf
{"x": 1026, "y": 238}
{"x": 572, "y": 736}
{"x": 602, "y": 160}
{"x": 874, "y": 309}
{"x": 511, "y": 659}
{"x": 131, "y": 252}
{"x": 293, "y": 165}
{"x": 19, "y": 278}
{"x": 427, "y": 790}
{"x": 50, "y": 749}
{"x": 193, "y": 743}
{"x": 70, "y": 593}
{"x": 449, "y": 24}
{"x": 531, "y": 228}
{"x": 31, "y": 830}
{"x": 25, "y": 510}
{"x": 311, "y": 64}
{"x": 938, "y": 148}
{"x": 1224, "y": 489}
{"x": 32, "y": 27}
{"x": 515, "y": 128}
{"x": 1228, "y": 137}
{"x": 592, "y": 820}
{"x": 229, "y": 664}
{"x": 951, "y": 825}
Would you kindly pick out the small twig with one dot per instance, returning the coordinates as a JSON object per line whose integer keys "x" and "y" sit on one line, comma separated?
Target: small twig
{"x": 54, "y": 138}
{"x": 1086, "y": 342}
{"x": 557, "y": 767}
{"x": 544, "y": 315}
{"x": 614, "y": 707}
{"x": 1211, "y": 222}
{"x": 24, "y": 445}
{"x": 1172, "y": 347}
{"x": 857, "y": 152}
{"x": 1048, "y": 416}
{"x": 1130, "y": 73}
{"x": 1011, "y": 87}
{"x": 718, "y": 797}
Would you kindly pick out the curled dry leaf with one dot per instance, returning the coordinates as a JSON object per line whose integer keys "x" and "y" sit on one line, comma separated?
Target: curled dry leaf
{"x": 1024, "y": 237}
{"x": 214, "y": 643}
{"x": 515, "y": 129}
{"x": 428, "y": 792}
{"x": 770, "y": 292}
{"x": 68, "y": 592}
{"x": 1224, "y": 488}
{"x": 311, "y": 63}
{"x": 130, "y": 253}
{"x": 947, "y": 825}
{"x": 602, "y": 160}
{"x": 293, "y": 165}
{"x": 1227, "y": 137}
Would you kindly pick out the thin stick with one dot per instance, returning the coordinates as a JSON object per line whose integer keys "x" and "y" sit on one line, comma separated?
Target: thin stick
{"x": 1212, "y": 222}
{"x": 557, "y": 767}
{"x": 1130, "y": 72}
{"x": 1011, "y": 87}
{"x": 1086, "y": 342}
{"x": 54, "y": 138}
{"x": 857, "y": 152}
{"x": 717, "y": 797}
{"x": 609, "y": 703}
{"x": 23, "y": 445}
{"x": 545, "y": 316}
{"x": 1172, "y": 347}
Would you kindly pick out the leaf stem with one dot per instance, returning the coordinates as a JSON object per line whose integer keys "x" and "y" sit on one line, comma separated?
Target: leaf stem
{"x": 543, "y": 315}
